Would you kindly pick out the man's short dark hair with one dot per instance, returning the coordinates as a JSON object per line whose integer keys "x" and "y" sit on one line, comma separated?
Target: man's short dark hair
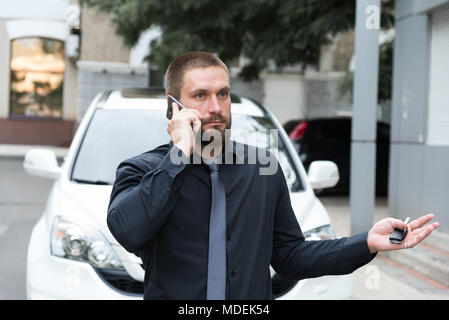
{"x": 178, "y": 67}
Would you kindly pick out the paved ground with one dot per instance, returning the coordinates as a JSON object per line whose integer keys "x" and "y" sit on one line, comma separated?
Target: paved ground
{"x": 383, "y": 278}
{"x": 23, "y": 198}
{"x": 22, "y": 201}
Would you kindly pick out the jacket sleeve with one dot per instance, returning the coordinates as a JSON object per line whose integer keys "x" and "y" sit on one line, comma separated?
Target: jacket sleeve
{"x": 294, "y": 258}
{"x": 141, "y": 200}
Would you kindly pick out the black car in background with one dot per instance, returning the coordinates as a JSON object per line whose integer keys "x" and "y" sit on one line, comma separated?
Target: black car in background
{"x": 330, "y": 139}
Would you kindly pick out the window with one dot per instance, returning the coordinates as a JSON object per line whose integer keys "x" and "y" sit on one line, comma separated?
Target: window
{"x": 248, "y": 129}
{"x": 37, "y": 74}
{"x": 114, "y": 136}
{"x": 438, "y": 108}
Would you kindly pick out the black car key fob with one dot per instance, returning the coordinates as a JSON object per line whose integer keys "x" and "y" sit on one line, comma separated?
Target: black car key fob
{"x": 399, "y": 234}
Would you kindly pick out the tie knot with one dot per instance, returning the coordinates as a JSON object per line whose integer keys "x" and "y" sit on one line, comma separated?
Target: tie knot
{"x": 213, "y": 167}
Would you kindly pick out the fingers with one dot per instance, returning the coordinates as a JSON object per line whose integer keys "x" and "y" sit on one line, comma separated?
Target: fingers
{"x": 188, "y": 115}
{"x": 191, "y": 114}
{"x": 435, "y": 225}
{"x": 175, "y": 108}
{"x": 196, "y": 113}
{"x": 421, "y": 235}
{"x": 196, "y": 125}
{"x": 418, "y": 223}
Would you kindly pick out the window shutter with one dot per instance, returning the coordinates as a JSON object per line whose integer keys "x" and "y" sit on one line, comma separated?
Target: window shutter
{"x": 438, "y": 113}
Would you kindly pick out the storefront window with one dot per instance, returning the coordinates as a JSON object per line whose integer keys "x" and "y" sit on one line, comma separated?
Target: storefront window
{"x": 37, "y": 74}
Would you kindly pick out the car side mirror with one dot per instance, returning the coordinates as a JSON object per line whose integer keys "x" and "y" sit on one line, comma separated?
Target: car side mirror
{"x": 323, "y": 174}
{"x": 42, "y": 163}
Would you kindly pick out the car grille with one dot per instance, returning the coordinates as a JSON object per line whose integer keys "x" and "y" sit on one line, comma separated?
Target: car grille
{"x": 121, "y": 281}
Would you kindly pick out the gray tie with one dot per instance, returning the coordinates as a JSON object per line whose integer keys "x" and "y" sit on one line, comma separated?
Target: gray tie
{"x": 216, "y": 269}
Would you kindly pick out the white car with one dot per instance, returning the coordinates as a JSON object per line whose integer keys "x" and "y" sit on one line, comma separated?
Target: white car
{"x": 73, "y": 255}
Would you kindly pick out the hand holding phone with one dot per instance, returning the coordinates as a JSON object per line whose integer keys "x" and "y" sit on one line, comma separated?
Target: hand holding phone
{"x": 170, "y": 101}
{"x": 182, "y": 138}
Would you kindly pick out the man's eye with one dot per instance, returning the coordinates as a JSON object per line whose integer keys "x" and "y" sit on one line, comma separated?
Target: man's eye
{"x": 224, "y": 94}
{"x": 200, "y": 95}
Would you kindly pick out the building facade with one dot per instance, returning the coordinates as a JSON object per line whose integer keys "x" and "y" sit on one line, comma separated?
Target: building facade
{"x": 54, "y": 58}
{"x": 419, "y": 154}
{"x": 35, "y": 80}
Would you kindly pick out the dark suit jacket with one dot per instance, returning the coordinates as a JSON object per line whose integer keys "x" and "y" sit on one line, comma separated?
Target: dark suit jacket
{"x": 160, "y": 210}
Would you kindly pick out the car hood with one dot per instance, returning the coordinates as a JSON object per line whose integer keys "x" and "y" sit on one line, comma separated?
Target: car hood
{"x": 83, "y": 203}
{"x": 87, "y": 204}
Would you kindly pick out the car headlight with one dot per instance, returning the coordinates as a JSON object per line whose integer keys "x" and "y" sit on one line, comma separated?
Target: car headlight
{"x": 82, "y": 243}
{"x": 321, "y": 233}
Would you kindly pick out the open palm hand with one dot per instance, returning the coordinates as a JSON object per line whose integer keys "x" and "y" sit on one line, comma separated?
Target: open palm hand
{"x": 379, "y": 235}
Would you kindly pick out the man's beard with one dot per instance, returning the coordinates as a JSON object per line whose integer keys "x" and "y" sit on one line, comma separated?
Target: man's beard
{"x": 212, "y": 118}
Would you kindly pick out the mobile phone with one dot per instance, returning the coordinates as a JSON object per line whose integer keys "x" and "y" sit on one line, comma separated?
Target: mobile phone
{"x": 170, "y": 101}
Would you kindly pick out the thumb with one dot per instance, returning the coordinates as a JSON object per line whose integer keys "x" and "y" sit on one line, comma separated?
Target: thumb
{"x": 398, "y": 224}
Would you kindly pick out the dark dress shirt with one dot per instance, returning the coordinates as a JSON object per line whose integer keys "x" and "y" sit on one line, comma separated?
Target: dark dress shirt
{"x": 160, "y": 211}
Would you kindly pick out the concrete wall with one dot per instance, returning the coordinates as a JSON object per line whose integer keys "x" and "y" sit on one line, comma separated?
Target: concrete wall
{"x": 284, "y": 95}
{"x": 253, "y": 89}
{"x": 410, "y": 80}
{"x": 321, "y": 99}
{"x": 70, "y": 91}
{"x": 435, "y": 184}
{"x": 99, "y": 40}
{"x": 420, "y": 181}
{"x": 419, "y": 172}
{"x": 104, "y": 60}
{"x": 96, "y": 76}
{"x": 292, "y": 95}
{"x": 29, "y": 9}
{"x": 406, "y": 8}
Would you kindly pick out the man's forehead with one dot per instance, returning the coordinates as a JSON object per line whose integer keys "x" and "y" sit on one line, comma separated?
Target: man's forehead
{"x": 205, "y": 77}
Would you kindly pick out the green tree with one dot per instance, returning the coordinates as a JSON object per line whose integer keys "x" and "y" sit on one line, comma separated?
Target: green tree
{"x": 285, "y": 32}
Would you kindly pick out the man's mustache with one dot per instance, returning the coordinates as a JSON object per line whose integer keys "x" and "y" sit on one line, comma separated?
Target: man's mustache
{"x": 213, "y": 118}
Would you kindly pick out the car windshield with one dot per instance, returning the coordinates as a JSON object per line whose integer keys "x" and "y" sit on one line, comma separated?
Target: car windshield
{"x": 110, "y": 138}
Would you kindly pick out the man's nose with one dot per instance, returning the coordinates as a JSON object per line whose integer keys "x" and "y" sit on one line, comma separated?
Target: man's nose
{"x": 214, "y": 105}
